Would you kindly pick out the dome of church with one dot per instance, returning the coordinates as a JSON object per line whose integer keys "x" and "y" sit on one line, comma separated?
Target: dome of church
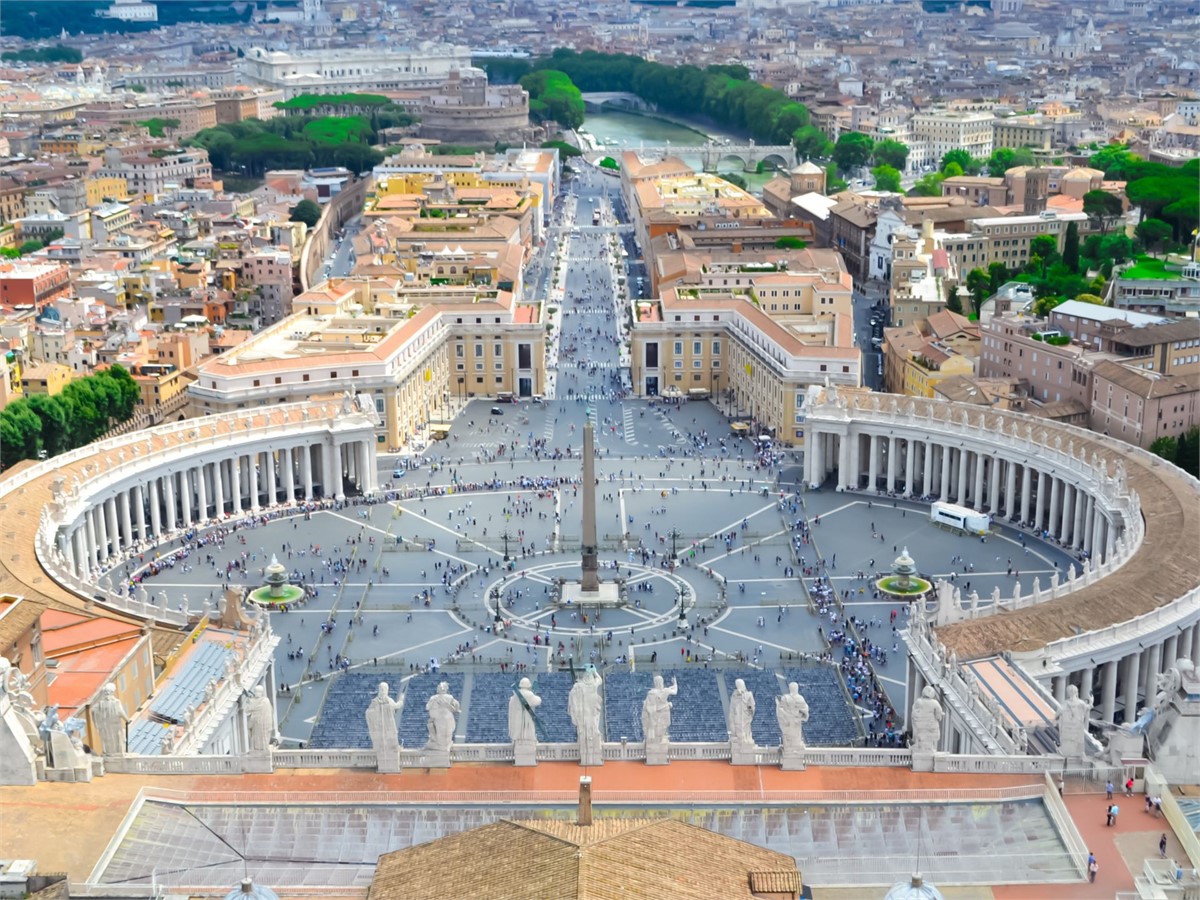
{"x": 807, "y": 168}
{"x": 913, "y": 889}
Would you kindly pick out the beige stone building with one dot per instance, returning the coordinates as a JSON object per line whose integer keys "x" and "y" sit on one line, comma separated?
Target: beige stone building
{"x": 418, "y": 350}
{"x": 1139, "y": 406}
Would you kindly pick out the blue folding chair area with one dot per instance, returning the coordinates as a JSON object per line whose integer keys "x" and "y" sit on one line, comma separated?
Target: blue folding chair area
{"x": 832, "y": 721}
{"x": 342, "y": 723}
{"x": 488, "y": 720}
{"x": 765, "y": 686}
{"x": 414, "y": 730}
{"x": 145, "y": 737}
{"x": 696, "y": 713}
{"x": 186, "y": 689}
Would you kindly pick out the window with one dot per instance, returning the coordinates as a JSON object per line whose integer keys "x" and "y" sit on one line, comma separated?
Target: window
{"x": 278, "y": 380}
{"x": 305, "y": 376}
{"x": 679, "y": 348}
{"x": 679, "y": 363}
{"x": 333, "y": 374}
{"x": 696, "y": 363}
{"x": 256, "y": 382}
{"x": 696, "y": 348}
{"x": 458, "y": 350}
{"x": 354, "y": 373}
{"x": 478, "y": 351}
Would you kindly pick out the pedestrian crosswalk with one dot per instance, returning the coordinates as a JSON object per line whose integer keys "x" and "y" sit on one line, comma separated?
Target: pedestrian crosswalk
{"x": 627, "y": 421}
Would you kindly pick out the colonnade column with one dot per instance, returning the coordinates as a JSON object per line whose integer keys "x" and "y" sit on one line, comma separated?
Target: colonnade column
{"x": 1041, "y": 500}
{"x": 1108, "y": 691}
{"x": 926, "y": 468}
{"x": 80, "y": 556}
{"x": 893, "y": 446}
{"x": 288, "y": 469}
{"x": 1132, "y": 670}
{"x": 126, "y": 521}
{"x": 1026, "y": 492}
{"x": 1085, "y": 683}
{"x": 202, "y": 493}
{"x": 944, "y": 483}
{"x": 1055, "y": 506}
{"x": 855, "y": 460}
{"x": 252, "y": 472}
{"x": 960, "y": 491}
{"x": 1077, "y": 529}
{"x": 185, "y": 496}
{"x": 139, "y": 512}
{"x": 235, "y": 497}
{"x": 367, "y": 475}
{"x": 910, "y": 463}
{"x": 996, "y": 465}
{"x": 218, "y": 488}
{"x": 1151, "y": 666}
{"x": 89, "y": 526}
{"x": 155, "y": 507}
{"x": 272, "y": 479}
{"x": 1170, "y": 651}
{"x": 306, "y": 471}
{"x": 977, "y": 493}
{"x": 1097, "y": 548}
{"x": 872, "y": 462}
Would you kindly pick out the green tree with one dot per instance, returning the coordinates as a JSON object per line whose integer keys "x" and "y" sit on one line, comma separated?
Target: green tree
{"x": 609, "y": 163}
{"x": 966, "y": 164}
{"x": 979, "y": 286}
{"x": 1090, "y": 298}
{"x": 997, "y": 275}
{"x": 1102, "y": 208}
{"x": 852, "y": 150}
{"x": 886, "y": 178}
{"x": 889, "y": 152}
{"x": 32, "y": 246}
{"x": 1152, "y": 233}
{"x": 306, "y": 211}
{"x": 1044, "y": 249}
{"x": 552, "y": 95}
{"x": 928, "y": 185}
{"x": 1188, "y": 457}
{"x": 1115, "y": 161}
{"x": 953, "y": 303}
{"x": 19, "y": 431}
{"x": 55, "y": 432}
{"x": 811, "y": 143}
{"x": 1070, "y": 253}
{"x": 1165, "y": 447}
{"x": 1005, "y": 158}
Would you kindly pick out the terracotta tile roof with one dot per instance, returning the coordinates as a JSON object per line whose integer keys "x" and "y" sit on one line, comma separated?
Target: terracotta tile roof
{"x": 559, "y": 860}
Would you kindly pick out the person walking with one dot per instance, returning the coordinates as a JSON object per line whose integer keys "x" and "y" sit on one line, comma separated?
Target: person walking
{"x": 1109, "y": 820}
{"x": 1162, "y": 846}
{"x": 1108, "y": 789}
{"x": 1093, "y": 868}
{"x": 1115, "y": 810}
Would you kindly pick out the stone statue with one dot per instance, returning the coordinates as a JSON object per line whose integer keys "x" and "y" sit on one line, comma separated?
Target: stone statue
{"x": 1072, "y": 721}
{"x": 656, "y": 712}
{"x": 442, "y": 709}
{"x": 741, "y": 715}
{"x": 1168, "y": 684}
{"x": 111, "y": 720}
{"x": 522, "y": 726}
{"x": 381, "y": 720}
{"x": 584, "y": 705}
{"x": 791, "y": 712}
{"x": 260, "y": 721}
{"x": 927, "y": 715}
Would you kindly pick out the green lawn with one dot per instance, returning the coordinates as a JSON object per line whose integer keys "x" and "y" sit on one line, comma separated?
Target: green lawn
{"x": 1148, "y": 268}
{"x": 338, "y": 129}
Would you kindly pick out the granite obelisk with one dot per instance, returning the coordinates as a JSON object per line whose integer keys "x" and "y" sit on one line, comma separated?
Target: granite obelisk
{"x": 590, "y": 581}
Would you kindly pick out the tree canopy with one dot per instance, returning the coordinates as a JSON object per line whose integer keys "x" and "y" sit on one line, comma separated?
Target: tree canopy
{"x": 306, "y": 211}
{"x": 890, "y": 152}
{"x": 297, "y": 142}
{"x": 552, "y": 95}
{"x": 1005, "y": 158}
{"x": 853, "y": 149}
{"x": 886, "y": 178}
{"x": 84, "y": 410}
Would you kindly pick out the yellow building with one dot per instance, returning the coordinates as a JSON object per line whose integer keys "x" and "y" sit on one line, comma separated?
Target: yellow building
{"x": 917, "y": 358}
{"x": 45, "y": 378}
{"x": 103, "y": 188}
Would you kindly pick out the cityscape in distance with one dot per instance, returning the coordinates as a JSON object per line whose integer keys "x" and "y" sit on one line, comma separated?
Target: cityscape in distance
{"x": 466, "y": 449}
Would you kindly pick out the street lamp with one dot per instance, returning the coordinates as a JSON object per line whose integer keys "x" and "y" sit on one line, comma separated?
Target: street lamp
{"x": 506, "y": 537}
{"x": 674, "y": 535}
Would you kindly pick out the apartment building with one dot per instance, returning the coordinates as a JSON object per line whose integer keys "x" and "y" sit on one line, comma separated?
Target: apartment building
{"x": 923, "y": 275}
{"x": 1169, "y": 291}
{"x": 151, "y": 175}
{"x": 32, "y": 285}
{"x": 938, "y": 131}
{"x": 415, "y": 349}
{"x": 1006, "y": 239}
{"x": 730, "y": 343}
{"x": 918, "y": 357}
{"x": 1140, "y": 407}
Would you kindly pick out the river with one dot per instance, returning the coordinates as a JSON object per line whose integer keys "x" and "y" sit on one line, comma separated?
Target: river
{"x": 626, "y": 131}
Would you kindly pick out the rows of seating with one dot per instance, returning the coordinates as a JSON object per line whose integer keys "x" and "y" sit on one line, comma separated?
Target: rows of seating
{"x": 765, "y": 686}
{"x": 206, "y": 665}
{"x": 490, "y": 693}
{"x": 145, "y": 737}
{"x": 342, "y": 723}
{"x": 696, "y": 714}
{"x": 414, "y": 730}
{"x": 832, "y": 721}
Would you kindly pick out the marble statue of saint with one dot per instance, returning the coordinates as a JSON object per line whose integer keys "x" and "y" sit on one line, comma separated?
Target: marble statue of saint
{"x": 260, "y": 721}
{"x": 111, "y": 720}
{"x": 741, "y": 714}
{"x": 791, "y": 712}
{"x": 442, "y": 709}
{"x": 656, "y": 711}
{"x": 381, "y": 720}
{"x": 584, "y": 705}
{"x": 927, "y": 715}
{"x": 1072, "y": 721}
{"x": 522, "y": 727}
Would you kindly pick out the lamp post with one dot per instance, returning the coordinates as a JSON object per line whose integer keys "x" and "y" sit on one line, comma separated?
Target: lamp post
{"x": 460, "y": 392}
{"x": 506, "y": 537}
{"x": 674, "y": 535}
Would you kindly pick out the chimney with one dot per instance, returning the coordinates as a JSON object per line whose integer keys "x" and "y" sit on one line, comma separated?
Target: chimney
{"x": 585, "y": 801}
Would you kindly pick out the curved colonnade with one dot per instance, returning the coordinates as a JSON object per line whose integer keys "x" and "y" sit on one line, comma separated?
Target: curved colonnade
{"x": 102, "y": 503}
{"x": 1134, "y": 606}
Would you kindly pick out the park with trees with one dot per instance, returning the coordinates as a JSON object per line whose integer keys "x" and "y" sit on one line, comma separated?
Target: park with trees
{"x": 83, "y": 412}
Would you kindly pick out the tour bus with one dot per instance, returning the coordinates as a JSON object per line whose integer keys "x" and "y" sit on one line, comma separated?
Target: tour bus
{"x": 959, "y": 517}
{"x": 698, "y": 393}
